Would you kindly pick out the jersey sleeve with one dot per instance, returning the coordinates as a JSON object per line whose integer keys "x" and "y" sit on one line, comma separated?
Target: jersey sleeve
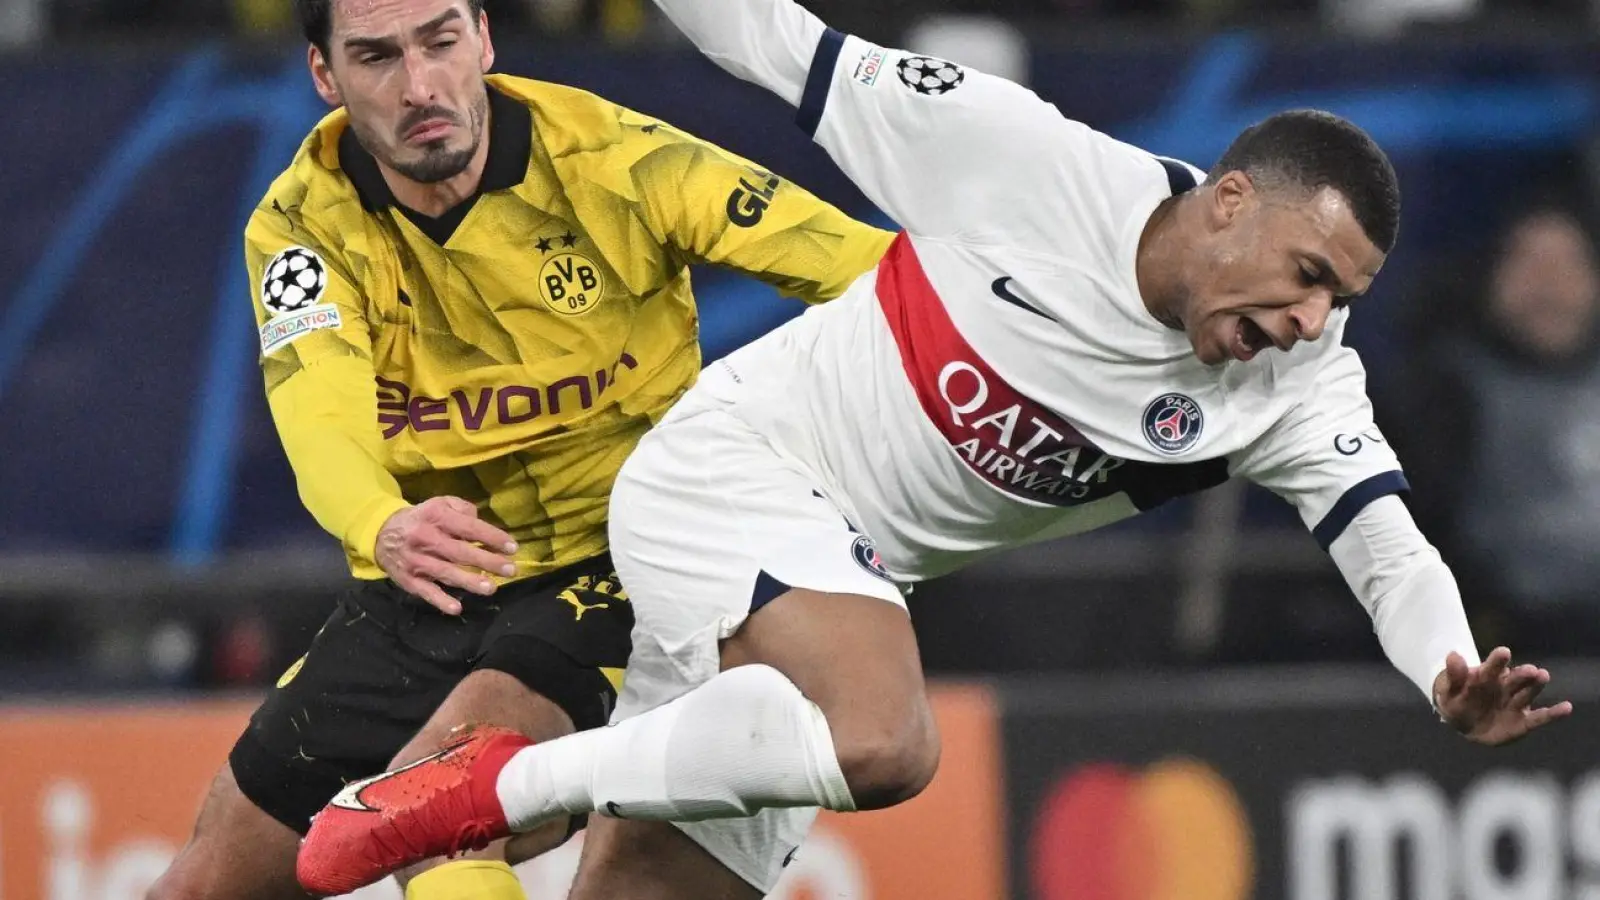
{"x": 717, "y": 208}
{"x": 1406, "y": 589}
{"x": 1326, "y": 456}
{"x": 316, "y": 356}
{"x": 908, "y": 130}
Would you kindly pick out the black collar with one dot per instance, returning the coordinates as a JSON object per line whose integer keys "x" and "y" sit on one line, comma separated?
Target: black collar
{"x": 510, "y": 144}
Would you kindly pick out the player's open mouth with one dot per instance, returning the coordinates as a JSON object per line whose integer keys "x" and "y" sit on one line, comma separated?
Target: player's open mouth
{"x": 1248, "y": 340}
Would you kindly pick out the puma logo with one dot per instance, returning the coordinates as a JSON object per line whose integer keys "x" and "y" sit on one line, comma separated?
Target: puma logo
{"x": 606, "y": 587}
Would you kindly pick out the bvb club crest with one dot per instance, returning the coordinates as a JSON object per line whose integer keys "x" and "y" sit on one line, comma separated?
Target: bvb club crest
{"x": 571, "y": 284}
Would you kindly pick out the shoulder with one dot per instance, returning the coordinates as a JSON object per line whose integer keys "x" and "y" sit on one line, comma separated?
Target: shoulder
{"x": 605, "y": 144}
{"x": 312, "y": 201}
{"x": 313, "y": 183}
{"x": 567, "y": 119}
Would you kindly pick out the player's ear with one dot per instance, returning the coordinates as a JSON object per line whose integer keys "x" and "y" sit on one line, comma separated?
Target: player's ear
{"x": 487, "y": 62}
{"x": 322, "y": 76}
{"x": 1231, "y": 195}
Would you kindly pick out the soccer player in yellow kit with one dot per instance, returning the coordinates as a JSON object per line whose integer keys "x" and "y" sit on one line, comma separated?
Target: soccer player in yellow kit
{"x": 473, "y": 298}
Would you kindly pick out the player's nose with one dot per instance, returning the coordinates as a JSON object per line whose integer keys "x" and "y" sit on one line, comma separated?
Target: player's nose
{"x": 1310, "y": 316}
{"x": 418, "y": 89}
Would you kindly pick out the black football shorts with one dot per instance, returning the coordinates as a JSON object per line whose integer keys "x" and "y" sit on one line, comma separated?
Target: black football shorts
{"x": 385, "y": 660}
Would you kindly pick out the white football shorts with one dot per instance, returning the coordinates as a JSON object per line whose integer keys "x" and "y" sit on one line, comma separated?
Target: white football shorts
{"x": 708, "y": 524}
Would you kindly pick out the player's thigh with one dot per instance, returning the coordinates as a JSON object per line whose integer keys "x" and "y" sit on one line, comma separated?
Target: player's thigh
{"x": 373, "y": 675}
{"x": 237, "y": 852}
{"x": 747, "y": 562}
{"x": 550, "y": 663}
{"x": 626, "y": 860}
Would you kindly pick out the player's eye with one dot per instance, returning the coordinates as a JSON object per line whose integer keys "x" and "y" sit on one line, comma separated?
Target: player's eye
{"x": 1310, "y": 277}
{"x": 445, "y": 44}
{"x": 370, "y": 59}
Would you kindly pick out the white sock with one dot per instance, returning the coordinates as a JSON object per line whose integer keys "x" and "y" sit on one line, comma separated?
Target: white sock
{"x": 745, "y": 740}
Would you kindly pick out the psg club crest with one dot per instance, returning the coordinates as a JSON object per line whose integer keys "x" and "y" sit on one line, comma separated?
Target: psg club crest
{"x": 867, "y": 557}
{"x": 1172, "y": 423}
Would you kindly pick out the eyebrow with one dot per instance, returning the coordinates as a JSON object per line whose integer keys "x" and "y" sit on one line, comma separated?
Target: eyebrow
{"x": 1330, "y": 278}
{"x": 421, "y": 31}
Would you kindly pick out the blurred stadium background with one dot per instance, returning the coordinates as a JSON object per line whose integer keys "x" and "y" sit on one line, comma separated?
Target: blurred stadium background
{"x": 1191, "y": 707}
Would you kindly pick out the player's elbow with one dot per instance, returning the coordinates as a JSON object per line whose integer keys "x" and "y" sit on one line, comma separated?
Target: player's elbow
{"x": 890, "y": 760}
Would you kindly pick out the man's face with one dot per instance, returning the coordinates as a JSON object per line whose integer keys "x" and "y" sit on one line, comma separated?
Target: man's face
{"x": 1545, "y": 287}
{"x": 410, "y": 72}
{"x": 1273, "y": 266}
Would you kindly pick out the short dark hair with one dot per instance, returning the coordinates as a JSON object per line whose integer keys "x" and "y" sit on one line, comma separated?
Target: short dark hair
{"x": 1312, "y": 150}
{"x": 316, "y": 19}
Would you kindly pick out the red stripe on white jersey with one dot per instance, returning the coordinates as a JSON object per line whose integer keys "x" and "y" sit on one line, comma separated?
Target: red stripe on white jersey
{"x": 1009, "y": 440}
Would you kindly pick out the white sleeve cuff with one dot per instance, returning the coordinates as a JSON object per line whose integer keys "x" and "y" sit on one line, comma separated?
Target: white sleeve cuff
{"x": 1406, "y": 588}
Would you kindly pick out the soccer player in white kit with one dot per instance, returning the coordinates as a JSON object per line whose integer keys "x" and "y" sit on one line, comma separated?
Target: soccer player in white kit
{"x": 1069, "y": 331}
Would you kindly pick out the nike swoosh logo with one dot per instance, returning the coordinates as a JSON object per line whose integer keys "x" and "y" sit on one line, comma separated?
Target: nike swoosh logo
{"x": 1004, "y": 292}
{"x": 350, "y": 796}
{"x": 613, "y": 810}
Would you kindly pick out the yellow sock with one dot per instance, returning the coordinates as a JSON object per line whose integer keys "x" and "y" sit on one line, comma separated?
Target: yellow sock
{"x": 467, "y": 879}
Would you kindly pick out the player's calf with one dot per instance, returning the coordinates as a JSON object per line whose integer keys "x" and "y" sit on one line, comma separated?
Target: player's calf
{"x": 889, "y": 760}
{"x": 237, "y": 852}
{"x": 856, "y": 658}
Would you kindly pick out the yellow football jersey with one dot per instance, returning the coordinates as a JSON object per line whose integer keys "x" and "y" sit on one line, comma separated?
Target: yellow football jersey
{"x": 512, "y": 351}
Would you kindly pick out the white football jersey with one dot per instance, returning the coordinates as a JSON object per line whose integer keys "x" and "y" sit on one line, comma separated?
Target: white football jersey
{"x": 998, "y": 379}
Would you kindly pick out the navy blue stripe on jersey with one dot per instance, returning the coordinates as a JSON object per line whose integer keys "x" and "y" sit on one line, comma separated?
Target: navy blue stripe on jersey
{"x": 1148, "y": 485}
{"x": 1179, "y": 179}
{"x": 818, "y": 80}
{"x": 1354, "y": 501}
{"x": 767, "y": 589}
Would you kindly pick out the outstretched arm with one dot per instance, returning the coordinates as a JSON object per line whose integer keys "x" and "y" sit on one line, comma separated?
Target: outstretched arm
{"x": 1416, "y": 612}
{"x": 1329, "y": 459}
{"x": 766, "y": 42}
{"x": 945, "y": 150}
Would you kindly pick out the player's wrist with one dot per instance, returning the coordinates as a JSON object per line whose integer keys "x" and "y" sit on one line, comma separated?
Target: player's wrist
{"x": 368, "y": 524}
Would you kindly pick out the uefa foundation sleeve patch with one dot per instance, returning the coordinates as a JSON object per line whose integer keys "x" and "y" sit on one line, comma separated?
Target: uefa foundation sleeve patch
{"x": 284, "y": 330}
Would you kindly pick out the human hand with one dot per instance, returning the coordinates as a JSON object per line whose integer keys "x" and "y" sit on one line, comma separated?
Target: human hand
{"x": 441, "y": 541}
{"x": 1492, "y": 703}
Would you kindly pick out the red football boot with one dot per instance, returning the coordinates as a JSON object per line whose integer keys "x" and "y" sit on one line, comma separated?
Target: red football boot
{"x": 438, "y": 806}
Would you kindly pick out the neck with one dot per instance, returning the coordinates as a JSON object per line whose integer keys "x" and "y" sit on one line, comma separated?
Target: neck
{"x": 1159, "y": 263}
{"x": 436, "y": 198}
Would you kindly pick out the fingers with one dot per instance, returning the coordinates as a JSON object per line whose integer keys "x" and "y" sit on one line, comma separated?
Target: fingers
{"x": 1538, "y": 718}
{"x": 455, "y": 505}
{"x": 431, "y": 593}
{"x": 471, "y": 528}
{"x": 459, "y": 519}
{"x": 453, "y": 532}
{"x": 437, "y": 547}
{"x": 1523, "y": 685}
{"x": 446, "y": 573}
{"x": 1494, "y": 665}
{"x": 1456, "y": 672}
{"x": 472, "y": 556}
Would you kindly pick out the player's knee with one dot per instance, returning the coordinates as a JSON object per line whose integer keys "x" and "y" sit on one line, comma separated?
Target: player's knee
{"x": 890, "y": 759}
